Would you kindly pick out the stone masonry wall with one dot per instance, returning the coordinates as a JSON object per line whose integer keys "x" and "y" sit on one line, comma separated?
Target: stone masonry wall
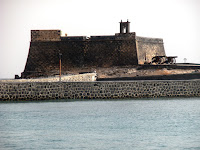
{"x": 43, "y": 57}
{"x": 108, "y": 53}
{"x": 147, "y": 48}
{"x": 98, "y": 90}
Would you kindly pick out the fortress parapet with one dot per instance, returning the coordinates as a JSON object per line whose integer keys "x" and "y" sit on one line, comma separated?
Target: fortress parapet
{"x": 73, "y": 38}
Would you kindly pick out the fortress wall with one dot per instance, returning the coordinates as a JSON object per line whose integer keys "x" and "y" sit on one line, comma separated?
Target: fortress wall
{"x": 128, "y": 53}
{"x": 100, "y": 53}
{"x": 98, "y": 90}
{"x": 108, "y": 53}
{"x": 148, "y": 48}
{"x": 43, "y": 58}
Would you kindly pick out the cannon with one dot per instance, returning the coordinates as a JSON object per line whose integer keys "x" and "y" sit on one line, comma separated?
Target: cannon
{"x": 163, "y": 60}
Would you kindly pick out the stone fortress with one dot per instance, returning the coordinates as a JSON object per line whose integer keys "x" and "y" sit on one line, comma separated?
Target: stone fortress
{"x": 89, "y": 53}
{"x": 121, "y": 62}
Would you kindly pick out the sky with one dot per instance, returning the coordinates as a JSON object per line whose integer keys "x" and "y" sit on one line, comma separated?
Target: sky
{"x": 176, "y": 21}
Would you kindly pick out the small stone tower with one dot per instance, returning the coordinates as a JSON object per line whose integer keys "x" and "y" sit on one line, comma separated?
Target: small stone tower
{"x": 125, "y": 27}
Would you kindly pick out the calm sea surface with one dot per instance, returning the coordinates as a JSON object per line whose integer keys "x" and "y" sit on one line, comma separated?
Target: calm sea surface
{"x": 101, "y": 125}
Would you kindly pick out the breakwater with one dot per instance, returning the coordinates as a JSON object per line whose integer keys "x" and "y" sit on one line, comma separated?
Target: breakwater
{"x": 98, "y": 90}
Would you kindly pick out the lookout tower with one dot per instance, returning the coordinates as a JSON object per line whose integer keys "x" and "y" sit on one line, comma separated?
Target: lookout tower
{"x": 125, "y": 27}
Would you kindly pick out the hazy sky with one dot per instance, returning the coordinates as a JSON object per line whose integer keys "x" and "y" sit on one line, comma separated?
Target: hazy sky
{"x": 176, "y": 21}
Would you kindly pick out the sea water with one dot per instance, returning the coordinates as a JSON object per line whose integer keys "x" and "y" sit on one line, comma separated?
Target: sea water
{"x": 170, "y": 124}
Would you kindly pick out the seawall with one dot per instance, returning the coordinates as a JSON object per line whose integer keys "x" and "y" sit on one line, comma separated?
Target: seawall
{"x": 98, "y": 90}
